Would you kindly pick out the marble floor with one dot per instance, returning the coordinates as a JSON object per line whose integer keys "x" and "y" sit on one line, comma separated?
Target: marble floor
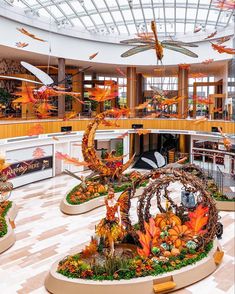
{"x": 44, "y": 235}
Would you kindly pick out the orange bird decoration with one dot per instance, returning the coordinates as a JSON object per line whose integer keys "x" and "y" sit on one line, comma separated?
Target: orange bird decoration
{"x": 35, "y": 130}
{"x": 184, "y": 66}
{"x": 118, "y": 112}
{"x": 55, "y": 138}
{"x": 142, "y": 105}
{"x": 70, "y": 160}
{"x": 222, "y": 49}
{"x": 223, "y": 40}
{"x": 226, "y": 141}
{"x": 70, "y": 115}
{"x": 38, "y": 153}
{"x": 21, "y": 45}
{"x": 205, "y": 101}
{"x": 92, "y": 56}
{"x": 142, "y": 132}
{"x": 118, "y": 70}
{"x": 27, "y": 33}
{"x": 211, "y": 35}
{"x": 225, "y": 4}
{"x": 144, "y": 43}
{"x": 123, "y": 135}
{"x": 197, "y": 29}
{"x": 200, "y": 120}
{"x": 110, "y": 124}
{"x": 109, "y": 92}
{"x": 114, "y": 158}
{"x": 197, "y": 75}
{"x": 153, "y": 115}
{"x": 207, "y": 61}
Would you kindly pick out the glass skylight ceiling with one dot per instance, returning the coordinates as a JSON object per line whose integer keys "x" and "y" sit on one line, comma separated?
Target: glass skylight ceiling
{"x": 117, "y": 17}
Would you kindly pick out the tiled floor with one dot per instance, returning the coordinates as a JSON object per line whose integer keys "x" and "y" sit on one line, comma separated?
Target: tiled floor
{"x": 44, "y": 235}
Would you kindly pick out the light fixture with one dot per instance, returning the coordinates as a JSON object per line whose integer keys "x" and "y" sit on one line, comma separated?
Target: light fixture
{"x": 5, "y": 188}
{"x": 81, "y": 2}
{"x": 130, "y": 2}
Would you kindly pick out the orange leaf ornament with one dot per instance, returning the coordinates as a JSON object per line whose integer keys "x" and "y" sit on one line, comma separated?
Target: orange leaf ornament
{"x": 198, "y": 220}
{"x": 70, "y": 160}
{"x": 35, "y": 130}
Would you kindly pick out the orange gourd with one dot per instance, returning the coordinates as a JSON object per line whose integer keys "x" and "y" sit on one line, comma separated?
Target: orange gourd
{"x": 179, "y": 235}
{"x": 167, "y": 219}
{"x": 101, "y": 189}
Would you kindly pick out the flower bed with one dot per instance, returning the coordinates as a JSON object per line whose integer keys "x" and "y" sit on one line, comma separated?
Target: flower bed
{"x": 167, "y": 243}
{"x": 4, "y": 208}
{"x": 94, "y": 189}
{"x": 128, "y": 268}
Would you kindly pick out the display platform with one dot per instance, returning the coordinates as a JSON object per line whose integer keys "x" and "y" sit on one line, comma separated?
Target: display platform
{"x": 9, "y": 239}
{"x": 92, "y": 204}
{"x": 225, "y": 205}
{"x": 58, "y": 284}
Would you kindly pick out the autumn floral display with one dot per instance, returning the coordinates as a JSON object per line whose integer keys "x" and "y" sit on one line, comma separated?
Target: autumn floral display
{"x": 173, "y": 237}
{"x": 160, "y": 249}
{"x": 92, "y": 188}
{"x": 4, "y": 208}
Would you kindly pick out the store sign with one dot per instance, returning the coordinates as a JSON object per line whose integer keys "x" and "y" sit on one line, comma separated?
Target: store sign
{"x": 28, "y": 166}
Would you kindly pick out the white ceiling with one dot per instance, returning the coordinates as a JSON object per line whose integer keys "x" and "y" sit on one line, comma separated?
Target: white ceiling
{"x": 128, "y": 17}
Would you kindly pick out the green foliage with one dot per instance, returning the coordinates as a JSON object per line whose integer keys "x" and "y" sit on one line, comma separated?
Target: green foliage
{"x": 5, "y": 97}
{"x": 3, "y": 227}
{"x": 3, "y": 224}
{"x": 127, "y": 268}
{"x": 119, "y": 148}
{"x": 117, "y": 189}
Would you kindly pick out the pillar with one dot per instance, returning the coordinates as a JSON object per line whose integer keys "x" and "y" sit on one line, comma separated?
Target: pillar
{"x": 182, "y": 143}
{"x": 61, "y": 77}
{"x": 77, "y": 85}
{"x": 131, "y": 89}
{"x": 194, "y": 100}
{"x": 139, "y": 89}
{"x": 183, "y": 92}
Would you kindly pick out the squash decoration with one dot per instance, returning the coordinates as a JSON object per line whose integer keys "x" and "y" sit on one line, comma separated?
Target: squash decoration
{"x": 179, "y": 235}
{"x": 167, "y": 219}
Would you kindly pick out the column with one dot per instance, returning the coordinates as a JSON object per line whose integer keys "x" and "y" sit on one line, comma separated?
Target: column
{"x": 131, "y": 89}
{"x": 183, "y": 92}
{"x": 194, "y": 100}
{"x": 140, "y": 89}
{"x": 61, "y": 98}
{"x": 77, "y": 85}
{"x": 182, "y": 143}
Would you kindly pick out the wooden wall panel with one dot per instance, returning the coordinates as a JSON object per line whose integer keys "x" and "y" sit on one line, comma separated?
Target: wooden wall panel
{"x": 16, "y": 129}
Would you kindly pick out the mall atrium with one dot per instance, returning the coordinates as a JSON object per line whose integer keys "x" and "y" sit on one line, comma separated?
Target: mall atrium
{"x": 117, "y": 146}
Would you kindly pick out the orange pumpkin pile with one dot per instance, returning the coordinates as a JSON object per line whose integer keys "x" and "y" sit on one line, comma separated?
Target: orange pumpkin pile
{"x": 167, "y": 235}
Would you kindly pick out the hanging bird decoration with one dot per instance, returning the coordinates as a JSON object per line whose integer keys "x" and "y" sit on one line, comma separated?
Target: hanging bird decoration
{"x": 70, "y": 160}
{"x": 142, "y": 44}
{"x": 207, "y": 61}
{"x": 27, "y": 33}
{"x": 225, "y": 4}
{"x": 21, "y": 45}
{"x": 92, "y": 56}
{"x": 222, "y": 49}
{"x": 211, "y": 35}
